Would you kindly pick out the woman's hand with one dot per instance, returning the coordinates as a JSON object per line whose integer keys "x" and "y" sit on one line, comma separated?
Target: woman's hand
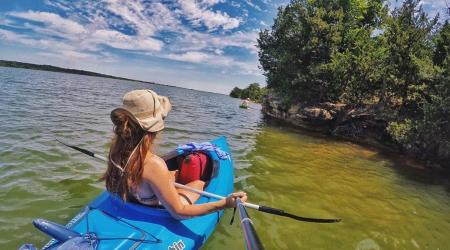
{"x": 230, "y": 201}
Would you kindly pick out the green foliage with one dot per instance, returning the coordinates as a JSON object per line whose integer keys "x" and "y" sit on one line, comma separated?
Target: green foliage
{"x": 354, "y": 51}
{"x": 297, "y": 53}
{"x": 424, "y": 84}
{"x": 253, "y": 91}
{"x": 402, "y": 131}
{"x": 409, "y": 64}
{"x": 442, "y": 42}
{"x": 428, "y": 134}
{"x": 236, "y": 92}
{"x": 360, "y": 71}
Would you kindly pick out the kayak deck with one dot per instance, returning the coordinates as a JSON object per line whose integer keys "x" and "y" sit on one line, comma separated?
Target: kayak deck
{"x": 122, "y": 225}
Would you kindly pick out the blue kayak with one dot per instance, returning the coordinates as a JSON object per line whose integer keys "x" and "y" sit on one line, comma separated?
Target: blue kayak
{"x": 114, "y": 224}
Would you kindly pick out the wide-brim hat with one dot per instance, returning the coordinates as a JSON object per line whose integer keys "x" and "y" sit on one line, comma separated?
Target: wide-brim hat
{"x": 146, "y": 108}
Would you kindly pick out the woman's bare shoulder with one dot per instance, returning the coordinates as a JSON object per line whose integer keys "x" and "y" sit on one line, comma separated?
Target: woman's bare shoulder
{"x": 154, "y": 160}
{"x": 155, "y": 163}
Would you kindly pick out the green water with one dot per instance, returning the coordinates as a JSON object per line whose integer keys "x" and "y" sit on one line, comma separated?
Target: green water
{"x": 380, "y": 205}
{"x": 384, "y": 204}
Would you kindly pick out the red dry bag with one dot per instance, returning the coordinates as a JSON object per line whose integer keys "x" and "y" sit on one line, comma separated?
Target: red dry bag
{"x": 192, "y": 167}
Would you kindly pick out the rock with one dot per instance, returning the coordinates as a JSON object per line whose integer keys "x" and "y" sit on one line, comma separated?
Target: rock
{"x": 333, "y": 106}
{"x": 313, "y": 117}
{"x": 294, "y": 109}
{"x": 364, "y": 124}
{"x": 356, "y": 123}
{"x": 314, "y": 113}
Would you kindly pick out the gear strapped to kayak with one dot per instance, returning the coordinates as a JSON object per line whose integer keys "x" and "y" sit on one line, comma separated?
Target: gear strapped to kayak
{"x": 194, "y": 166}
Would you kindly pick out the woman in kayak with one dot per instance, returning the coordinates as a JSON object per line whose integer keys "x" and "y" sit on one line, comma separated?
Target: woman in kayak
{"x": 135, "y": 173}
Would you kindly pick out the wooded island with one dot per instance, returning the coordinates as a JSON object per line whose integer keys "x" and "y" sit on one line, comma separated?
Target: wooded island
{"x": 363, "y": 72}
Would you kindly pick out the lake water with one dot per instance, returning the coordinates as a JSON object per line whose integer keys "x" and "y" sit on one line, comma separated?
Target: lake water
{"x": 383, "y": 204}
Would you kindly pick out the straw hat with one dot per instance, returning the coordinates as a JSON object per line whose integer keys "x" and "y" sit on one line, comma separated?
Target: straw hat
{"x": 147, "y": 108}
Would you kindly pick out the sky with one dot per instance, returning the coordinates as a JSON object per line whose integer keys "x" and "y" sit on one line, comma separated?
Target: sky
{"x": 206, "y": 45}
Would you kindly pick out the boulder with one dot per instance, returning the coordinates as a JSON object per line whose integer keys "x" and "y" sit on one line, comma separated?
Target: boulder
{"x": 362, "y": 123}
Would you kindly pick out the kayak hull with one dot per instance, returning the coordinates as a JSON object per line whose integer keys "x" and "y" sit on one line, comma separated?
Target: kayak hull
{"x": 116, "y": 224}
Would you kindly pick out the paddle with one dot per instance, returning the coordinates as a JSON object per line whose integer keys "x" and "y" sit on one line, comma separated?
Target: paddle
{"x": 261, "y": 208}
{"x": 252, "y": 241}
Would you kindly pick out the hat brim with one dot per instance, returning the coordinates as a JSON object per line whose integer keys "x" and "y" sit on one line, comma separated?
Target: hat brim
{"x": 150, "y": 124}
{"x": 146, "y": 108}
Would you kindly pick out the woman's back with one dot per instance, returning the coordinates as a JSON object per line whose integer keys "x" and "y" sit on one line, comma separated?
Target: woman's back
{"x": 134, "y": 169}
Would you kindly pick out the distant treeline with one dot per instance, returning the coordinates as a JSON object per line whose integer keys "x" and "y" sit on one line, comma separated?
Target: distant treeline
{"x": 359, "y": 52}
{"x": 253, "y": 91}
{"x": 14, "y": 64}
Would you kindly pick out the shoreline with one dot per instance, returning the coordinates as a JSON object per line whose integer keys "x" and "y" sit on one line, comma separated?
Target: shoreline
{"x": 363, "y": 126}
{"x": 51, "y": 68}
{"x": 405, "y": 163}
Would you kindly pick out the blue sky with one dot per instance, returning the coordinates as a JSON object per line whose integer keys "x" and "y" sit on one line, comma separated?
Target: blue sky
{"x": 206, "y": 45}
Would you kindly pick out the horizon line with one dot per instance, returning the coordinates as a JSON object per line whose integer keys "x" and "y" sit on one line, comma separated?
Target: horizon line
{"x": 103, "y": 75}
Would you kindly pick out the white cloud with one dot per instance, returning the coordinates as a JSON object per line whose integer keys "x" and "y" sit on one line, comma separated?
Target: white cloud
{"x": 235, "y": 4}
{"x": 76, "y": 37}
{"x": 136, "y": 26}
{"x": 77, "y": 55}
{"x": 190, "y": 56}
{"x": 432, "y": 7}
{"x": 218, "y": 51}
{"x": 194, "y": 40}
{"x": 199, "y": 13}
{"x": 119, "y": 40}
{"x": 225, "y": 62}
{"x": 132, "y": 12}
{"x": 53, "y": 21}
{"x": 62, "y": 6}
{"x": 34, "y": 43}
{"x": 251, "y": 4}
{"x": 148, "y": 19}
{"x": 210, "y": 2}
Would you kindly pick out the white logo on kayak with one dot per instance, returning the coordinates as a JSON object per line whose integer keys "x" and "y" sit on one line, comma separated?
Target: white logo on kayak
{"x": 177, "y": 246}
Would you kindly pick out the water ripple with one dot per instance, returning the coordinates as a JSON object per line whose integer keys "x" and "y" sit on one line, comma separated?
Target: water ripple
{"x": 41, "y": 178}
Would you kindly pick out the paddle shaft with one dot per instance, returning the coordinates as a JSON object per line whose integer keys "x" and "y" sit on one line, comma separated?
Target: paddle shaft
{"x": 265, "y": 209}
{"x": 261, "y": 208}
{"x": 252, "y": 241}
{"x": 84, "y": 151}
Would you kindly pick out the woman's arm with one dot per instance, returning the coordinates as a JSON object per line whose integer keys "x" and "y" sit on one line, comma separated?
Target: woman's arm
{"x": 157, "y": 174}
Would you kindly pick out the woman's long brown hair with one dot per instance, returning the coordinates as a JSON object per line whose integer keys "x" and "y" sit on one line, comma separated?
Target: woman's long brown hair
{"x": 127, "y": 135}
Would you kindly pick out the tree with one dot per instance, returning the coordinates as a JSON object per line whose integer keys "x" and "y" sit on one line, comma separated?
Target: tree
{"x": 442, "y": 45}
{"x": 354, "y": 51}
{"x": 426, "y": 130}
{"x": 360, "y": 70}
{"x": 409, "y": 64}
{"x": 236, "y": 92}
{"x": 253, "y": 91}
{"x": 296, "y": 54}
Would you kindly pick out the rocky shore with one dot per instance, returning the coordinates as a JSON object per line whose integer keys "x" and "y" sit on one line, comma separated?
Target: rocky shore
{"x": 361, "y": 124}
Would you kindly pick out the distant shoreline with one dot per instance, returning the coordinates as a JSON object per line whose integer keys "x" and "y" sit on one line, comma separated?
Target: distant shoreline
{"x": 44, "y": 67}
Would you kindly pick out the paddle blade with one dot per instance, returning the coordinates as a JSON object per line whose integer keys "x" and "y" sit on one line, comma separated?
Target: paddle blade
{"x": 82, "y": 150}
{"x": 79, "y": 243}
{"x": 55, "y": 230}
{"x": 27, "y": 247}
{"x": 280, "y": 212}
{"x": 315, "y": 220}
